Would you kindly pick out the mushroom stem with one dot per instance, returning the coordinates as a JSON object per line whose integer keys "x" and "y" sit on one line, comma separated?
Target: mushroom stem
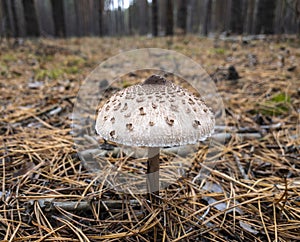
{"x": 153, "y": 170}
{"x": 153, "y": 181}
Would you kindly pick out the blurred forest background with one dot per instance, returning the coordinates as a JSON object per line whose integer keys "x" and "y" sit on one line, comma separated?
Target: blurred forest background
{"x": 68, "y": 18}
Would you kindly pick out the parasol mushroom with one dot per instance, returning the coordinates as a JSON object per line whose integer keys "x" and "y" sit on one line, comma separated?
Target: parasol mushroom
{"x": 154, "y": 114}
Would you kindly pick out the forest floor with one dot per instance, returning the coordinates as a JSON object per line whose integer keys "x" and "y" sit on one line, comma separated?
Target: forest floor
{"x": 251, "y": 194}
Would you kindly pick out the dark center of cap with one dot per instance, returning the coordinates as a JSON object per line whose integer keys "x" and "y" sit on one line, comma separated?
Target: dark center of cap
{"x": 155, "y": 79}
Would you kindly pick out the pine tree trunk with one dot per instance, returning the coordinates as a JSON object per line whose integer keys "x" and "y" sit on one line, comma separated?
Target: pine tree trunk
{"x": 182, "y": 16}
{"x": 101, "y": 17}
{"x": 297, "y": 7}
{"x": 15, "y": 19}
{"x": 169, "y": 17}
{"x": 154, "y": 10}
{"x": 31, "y": 23}
{"x": 207, "y": 17}
{"x": 12, "y": 24}
{"x": 143, "y": 16}
{"x": 2, "y": 30}
{"x": 250, "y": 17}
{"x": 58, "y": 18}
{"x": 218, "y": 16}
{"x": 265, "y": 17}
{"x": 278, "y": 20}
{"x": 195, "y": 15}
{"x": 45, "y": 18}
{"x": 70, "y": 18}
{"x": 5, "y": 27}
{"x": 133, "y": 20}
{"x": 236, "y": 18}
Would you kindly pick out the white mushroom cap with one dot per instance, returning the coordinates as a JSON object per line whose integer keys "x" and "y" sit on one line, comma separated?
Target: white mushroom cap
{"x": 156, "y": 113}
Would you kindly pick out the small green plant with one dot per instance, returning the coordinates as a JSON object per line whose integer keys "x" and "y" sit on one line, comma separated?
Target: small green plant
{"x": 126, "y": 84}
{"x": 72, "y": 70}
{"x": 9, "y": 57}
{"x": 52, "y": 74}
{"x": 186, "y": 41}
{"x": 219, "y": 51}
{"x": 179, "y": 47}
{"x": 277, "y": 105}
{"x": 281, "y": 98}
{"x": 74, "y": 61}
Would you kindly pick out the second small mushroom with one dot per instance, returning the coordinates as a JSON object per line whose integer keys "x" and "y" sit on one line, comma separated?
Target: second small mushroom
{"x": 156, "y": 113}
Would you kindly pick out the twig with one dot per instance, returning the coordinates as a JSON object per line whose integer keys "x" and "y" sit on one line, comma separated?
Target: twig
{"x": 50, "y": 205}
{"x": 223, "y": 137}
{"x": 241, "y": 168}
{"x": 247, "y": 129}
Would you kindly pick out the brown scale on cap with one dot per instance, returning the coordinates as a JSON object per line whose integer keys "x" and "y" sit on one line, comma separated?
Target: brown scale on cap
{"x": 155, "y": 79}
{"x": 190, "y": 101}
{"x": 142, "y": 112}
{"x": 116, "y": 107}
{"x": 196, "y": 123}
{"x": 125, "y": 107}
{"x": 112, "y": 133}
{"x": 169, "y": 121}
{"x": 129, "y": 126}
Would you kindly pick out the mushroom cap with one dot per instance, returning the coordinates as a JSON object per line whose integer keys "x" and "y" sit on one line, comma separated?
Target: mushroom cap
{"x": 155, "y": 113}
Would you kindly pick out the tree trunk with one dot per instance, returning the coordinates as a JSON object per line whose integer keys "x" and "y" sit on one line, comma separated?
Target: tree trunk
{"x": 265, "y": 17}
{"x": 143, "y": 16}
{"x": 236, "y": 18}
{"x": 80, "y": 18}
{"x": 45, "y": 17}
{"x": 31, "y": 23}
{"x": 70, "y": 18}
{"x": 297, "y": 6}
{"x": 169, "y": 17}
{"x": 12, "y": 24}
{"x": 154, "y": 9}
{"x": 2, "y": 19}
{"x": 218, "y": 16}
{"x": 162, "y": 18}
{"x": 207, "y": 17}
{"x": 133, "y": 21}
{"x": 86, "y": 17}
{"x": 250, "y": 17}
{"x": 101, "y": 18}
{"x": 5, "y": 27}
{"x": 15, "y": 19}
{"x": 58, "y": 18}
{"x": 182, "y": 15}
{"x": 195, "y": 15}
{"x": 279, "y": 15}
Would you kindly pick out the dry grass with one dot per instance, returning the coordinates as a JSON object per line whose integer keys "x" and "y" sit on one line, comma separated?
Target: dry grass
{"x": 252, "y": 193}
